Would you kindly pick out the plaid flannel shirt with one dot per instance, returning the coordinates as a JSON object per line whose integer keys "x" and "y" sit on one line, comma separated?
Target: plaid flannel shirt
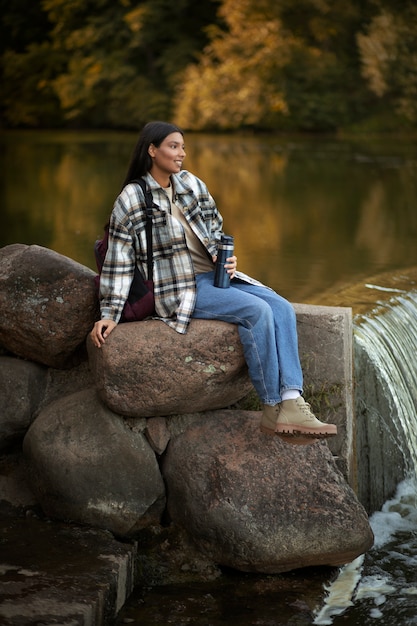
{"x": 173, "y": 272}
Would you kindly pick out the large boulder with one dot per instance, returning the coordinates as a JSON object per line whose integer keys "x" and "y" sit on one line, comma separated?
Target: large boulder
{"x": 87, "y": 465}
{"x": 22, "y": 385}
{"x": 60, "y": 383}
{"x": 257, "y": 504}
{"x": 48, "y": 304}
{"x": 146, "y": 369}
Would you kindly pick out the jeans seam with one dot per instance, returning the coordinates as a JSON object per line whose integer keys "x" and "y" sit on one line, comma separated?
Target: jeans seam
{"x": 258, "y": 359}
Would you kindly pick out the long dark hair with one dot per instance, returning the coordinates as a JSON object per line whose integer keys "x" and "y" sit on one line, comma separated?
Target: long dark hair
{"x": 141, "y": 162}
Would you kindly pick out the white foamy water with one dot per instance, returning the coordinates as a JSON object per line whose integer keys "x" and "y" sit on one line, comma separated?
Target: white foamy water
{"x": 386, "y": 575}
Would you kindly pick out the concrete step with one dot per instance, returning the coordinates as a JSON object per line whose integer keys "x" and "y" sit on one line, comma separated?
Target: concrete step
{"x": 56, "y": 573}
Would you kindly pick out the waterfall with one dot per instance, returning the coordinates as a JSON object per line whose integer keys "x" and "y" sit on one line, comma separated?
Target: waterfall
{"x": 381, "y": 584}
{"x": 385, "y": 360}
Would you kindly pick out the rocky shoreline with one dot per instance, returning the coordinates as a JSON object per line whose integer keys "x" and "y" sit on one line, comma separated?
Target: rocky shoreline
{"x": 163, "y": 453}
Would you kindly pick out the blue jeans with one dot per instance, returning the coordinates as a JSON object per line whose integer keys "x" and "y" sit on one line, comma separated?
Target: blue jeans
{"x": 267, "y": 330}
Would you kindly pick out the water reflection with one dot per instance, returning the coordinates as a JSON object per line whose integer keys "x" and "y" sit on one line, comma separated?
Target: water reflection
{"x": 58, "y": 189}
{"x": 235, "y": 600}
{"x": 306, "y": 214}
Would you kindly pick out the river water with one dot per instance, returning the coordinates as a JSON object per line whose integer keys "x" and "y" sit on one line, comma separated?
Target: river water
{"x": 309, "y": 216}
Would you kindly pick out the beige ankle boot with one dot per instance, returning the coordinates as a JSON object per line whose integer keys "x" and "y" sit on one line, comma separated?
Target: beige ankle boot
{"x": 292, "y": 418}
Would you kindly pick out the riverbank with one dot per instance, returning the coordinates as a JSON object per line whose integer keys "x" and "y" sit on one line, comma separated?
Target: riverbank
{"x": 55, "y": 573}
{"x": 67, "y": 574}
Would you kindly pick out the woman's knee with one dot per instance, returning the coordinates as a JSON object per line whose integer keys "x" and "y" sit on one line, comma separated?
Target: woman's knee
{"x": 261, "y": 312}
{"x": 283, "y": 307}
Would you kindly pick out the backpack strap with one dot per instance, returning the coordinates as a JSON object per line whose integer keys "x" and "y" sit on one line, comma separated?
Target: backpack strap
{"x": 149, "y": 204}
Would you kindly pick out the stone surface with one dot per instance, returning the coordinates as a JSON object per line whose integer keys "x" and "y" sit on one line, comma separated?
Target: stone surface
{"x": 87, "y": 465}
{"x": 60, "y": 383}
{"x": 157, "y": 434}
{"x": 22, "y": 385}
{"x": 52, "y": 573}
{"x": 14, "y": 489}
{"x": 257, "y": 504}
{"x": 48, "y": 304}
{"x": 146, "y": 369}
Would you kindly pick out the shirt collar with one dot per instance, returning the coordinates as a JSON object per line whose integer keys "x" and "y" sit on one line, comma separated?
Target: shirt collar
{"x": 177, "y": 182}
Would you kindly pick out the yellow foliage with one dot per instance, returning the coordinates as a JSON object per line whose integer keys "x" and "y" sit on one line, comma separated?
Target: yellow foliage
{"x": 378, "y": 49}
{"x": 233, "y": 84}
{"x": 134, "y": 19}
{"x": 75, "y": 88}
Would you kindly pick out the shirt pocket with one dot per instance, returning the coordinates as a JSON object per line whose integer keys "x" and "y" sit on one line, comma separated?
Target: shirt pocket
{"x": 162, "y": 239}
{"x": 205, "y": 224}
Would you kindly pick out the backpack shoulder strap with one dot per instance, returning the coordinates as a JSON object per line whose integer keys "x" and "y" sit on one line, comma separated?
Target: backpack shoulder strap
{"x": 149, "y": 204}
{"x": 146, "y": 191}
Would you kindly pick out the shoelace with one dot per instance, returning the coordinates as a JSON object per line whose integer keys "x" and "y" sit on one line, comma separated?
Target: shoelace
{"x": 306, "y": 408}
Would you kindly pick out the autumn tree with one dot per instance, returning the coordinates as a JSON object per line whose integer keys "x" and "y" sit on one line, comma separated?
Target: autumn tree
{"x": 277, "y": 64}
{"x": 389, "y": 58}
{"x": 104, "y": 63}
{"x": 297, "y": 65}
{"x": 238, "y": 80}
{"x": 26, "y": 95}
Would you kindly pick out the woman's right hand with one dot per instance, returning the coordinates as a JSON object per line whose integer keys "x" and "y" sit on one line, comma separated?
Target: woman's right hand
{"x": 101, "y": 330}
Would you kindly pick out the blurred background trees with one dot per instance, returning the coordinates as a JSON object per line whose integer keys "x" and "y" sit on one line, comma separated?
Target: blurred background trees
{"x": 290, "y": 65}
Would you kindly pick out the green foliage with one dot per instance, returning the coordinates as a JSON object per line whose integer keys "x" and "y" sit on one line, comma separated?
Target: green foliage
{"x": 26, "y": 94}
{"x": 309, "y": 65}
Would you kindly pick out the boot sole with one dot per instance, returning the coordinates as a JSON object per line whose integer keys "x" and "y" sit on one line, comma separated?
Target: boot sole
{"x": 293, "y": 439}
{"x": 289, "y": 431}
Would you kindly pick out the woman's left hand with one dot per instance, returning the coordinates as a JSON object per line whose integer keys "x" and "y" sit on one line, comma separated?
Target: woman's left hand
{"x": 231, "y": 265}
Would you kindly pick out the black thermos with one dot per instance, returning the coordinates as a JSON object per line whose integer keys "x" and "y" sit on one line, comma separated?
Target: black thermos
{"x": 225, "y": 250}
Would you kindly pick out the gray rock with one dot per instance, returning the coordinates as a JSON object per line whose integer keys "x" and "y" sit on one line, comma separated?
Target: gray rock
{"x": 60, "y": 383}
{"x": 257, "y": 504}
{"x": 86, "y": 465}
{"x": 157, "y": 433}
{"x": 146, "y": 369}
{"x": 21, "y": 388}
{"x": 14, "y": 491}
{"x": 48, "y": 305}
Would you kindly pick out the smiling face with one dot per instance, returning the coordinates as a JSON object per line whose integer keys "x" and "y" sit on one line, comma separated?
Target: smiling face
{"x": 167, "y": 158}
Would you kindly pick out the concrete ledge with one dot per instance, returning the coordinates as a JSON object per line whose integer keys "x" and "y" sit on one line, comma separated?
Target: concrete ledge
{"x": 326, "y": 348}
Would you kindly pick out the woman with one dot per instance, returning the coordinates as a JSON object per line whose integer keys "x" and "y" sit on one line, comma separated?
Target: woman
{"x": 187, "y": 228}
